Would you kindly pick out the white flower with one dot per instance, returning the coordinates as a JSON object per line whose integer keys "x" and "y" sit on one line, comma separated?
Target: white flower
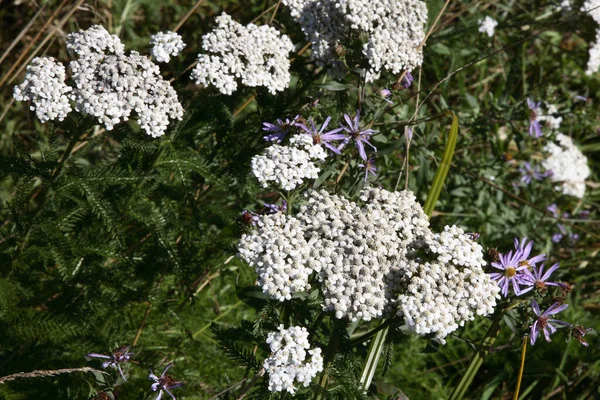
{"x": 395, "y": 30}
{"x": 568, "y": 165}
{"x": 592, "y": 7}
{"x": 111, "y": 85}
{"x": 593, "y": 64}
{"x": 255, "y": 55}
{"x": 165, "y": 45}
{"x": 289, "y": 360}
{"x": 551, "y": 121}
{"x": 278, "y": 252}
{"x": 94, "y": 40}
{"x": 445, "y": 293}
{"x": 44, "y": 85}
{"x": 488, "y": 26}
{"x": 288, "y": 166}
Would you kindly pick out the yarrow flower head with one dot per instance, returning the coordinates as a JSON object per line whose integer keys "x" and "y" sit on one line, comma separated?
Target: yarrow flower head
{"x": 568, "y": 164}
{"x": 45, "y": 87}
{"x": 254, "y": 55}
{"x": 280, "y": 129}
{"x": 535, "y": 128}
{"x": 395, "y": 30}
{"x": 321, "y": 137}
{"x": 364, "y": 258}
{"x": 543, "y": 322}
{"x": 166, "y": 45}
{"x": 488, "y": 25}
{"x": 111, "y": 85}
{"x": 289, "y": 360}
{"x": 164, "y": 383}
{"x": 358, "y": 135}
{"x": 288, "y": 166}
{"x": 115, "y": 360}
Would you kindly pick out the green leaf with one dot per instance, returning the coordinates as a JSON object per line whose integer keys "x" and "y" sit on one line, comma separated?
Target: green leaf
{"x": 442, "y": 171}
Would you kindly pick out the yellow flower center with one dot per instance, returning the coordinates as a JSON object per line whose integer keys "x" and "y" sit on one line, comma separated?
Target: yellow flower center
{"x": 510, "y": 272}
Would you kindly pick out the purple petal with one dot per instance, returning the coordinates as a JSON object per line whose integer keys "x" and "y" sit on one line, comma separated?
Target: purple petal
{"x": 166, "y": 369}
{"x": 534, "y": 333}
{"x": 549, "y": 272}
{"x": 325, "y": 124}
{"x": 152, "y": 377}
{"x": 170, "y": 394}
{"x": 96, "y": 355}
{"x": 159, "y": 395}
{"x": 536, "y": 307}
{"x": 361, "y": 150}
{"x": 555, "y": 309}
{"x": 547, "y": 334}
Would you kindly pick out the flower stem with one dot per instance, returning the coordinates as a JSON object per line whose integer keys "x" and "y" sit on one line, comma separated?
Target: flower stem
{"x": 523, "y": 352}
{"x": 373, "y": 358}
{"x": 477, "y": 359}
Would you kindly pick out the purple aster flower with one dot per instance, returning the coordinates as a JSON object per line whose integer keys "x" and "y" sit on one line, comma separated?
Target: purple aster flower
{"x": 530, "y": 173}
{"x": 583, "y": 98}
{"x": 557, "y": 237}
{"x": 573, "y": 237}
{"x": 369, "y": 167}
{"x": 543, "y": 322}
{"x": 279, "y": 130}
{"x": 359, "y": 136}
{"x": 407, "y": 80}
{"x": 164, "y": 383}
{"x": 121, "y": 355}
{"x": 524, "y": 249}
{"x": 274, "y": 208}
{"x": 534, "y": 125}
{"x": 538, "y": 278}
{"x": 385, "y": 94}
{"x": 553, "y": 208}
{"x": 512, "y": 273}
{"x": 320, "y": 137}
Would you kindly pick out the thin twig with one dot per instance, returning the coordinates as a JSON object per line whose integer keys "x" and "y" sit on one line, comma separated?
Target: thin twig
{"x": 523, "y": 352}
{"x": 21, "y": 34}
{"x": 189, "y": 14}
{"x": 46, "y": 373}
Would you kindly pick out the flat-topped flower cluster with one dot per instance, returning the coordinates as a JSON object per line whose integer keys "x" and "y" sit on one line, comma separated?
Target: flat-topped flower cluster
{"x": 395, "y": 30}
{"x": 569, "y": 166}
{"x": 289, "y": 360}
{"x": 372, "y": 261}
{"x": 254, "y": 55}
{"x": 108, "y": 84}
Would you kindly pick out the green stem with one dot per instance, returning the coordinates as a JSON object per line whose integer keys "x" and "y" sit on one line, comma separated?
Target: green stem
{"x": 370, "y": 334}
{"x": 373, "y": 358}
{"x": 329, "y": 354}
{"x": 477, "y": 359}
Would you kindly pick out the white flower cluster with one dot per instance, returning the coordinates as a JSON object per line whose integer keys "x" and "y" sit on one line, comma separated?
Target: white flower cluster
{"x": 593, "y": 64}
{"x": 568, "y": 165}
{"x": 45, "y": 87}
{"x": 166, "y": 45}
{"x": 362, "y": 252}
{"x": 110, "y": 85}
{"x": 443, "y": 294}
{"x": 288, "y": 360}
{"x": 395, "y": 29}
{"x": 488, "y": 26}
{"x": 592, "y": 7}
{"x": 278, "y": 251}
{"x": 288, "y": 166}
{"x": 364, "y": 257}
{"x": 548, "y": 117}
{"x": 323, "y": 24}
{"x": 256, "y": 55}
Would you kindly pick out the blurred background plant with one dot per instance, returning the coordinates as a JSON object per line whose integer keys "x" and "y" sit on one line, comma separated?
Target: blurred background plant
{"x": 130, "y": 241}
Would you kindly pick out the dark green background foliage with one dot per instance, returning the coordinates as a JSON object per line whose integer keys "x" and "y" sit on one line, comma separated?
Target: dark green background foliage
{"x": 133, "y": 239}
